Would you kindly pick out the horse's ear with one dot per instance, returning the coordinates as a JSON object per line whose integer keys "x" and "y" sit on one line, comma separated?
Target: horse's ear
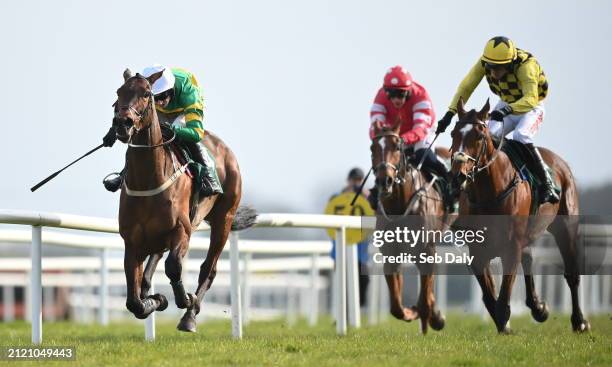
{"x": 153, "y": 78}
{"x": 484, "y": 111}
{"x": 127, "y": 74}
{"x": 460, "y": 107}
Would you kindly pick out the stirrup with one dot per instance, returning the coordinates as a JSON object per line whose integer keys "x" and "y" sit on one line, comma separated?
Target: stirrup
{"x": 112, "y": 184}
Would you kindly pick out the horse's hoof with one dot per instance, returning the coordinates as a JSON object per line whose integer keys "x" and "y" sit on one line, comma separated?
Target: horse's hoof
{"x": 583, "y": 327}
{"x": 187, "y": 323}
{"x": 505, "y": 331}
{"x": 437, "y": 321}
{"x": 406, "y": 314}
{"x": 540, "y": 312}
{"x": 163, "y": 301}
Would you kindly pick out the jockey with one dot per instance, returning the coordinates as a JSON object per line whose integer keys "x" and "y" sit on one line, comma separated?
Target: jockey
{"x": 404, "y": 100}
{"x": 177, "y": 93}
{"x": 518, "y": 79}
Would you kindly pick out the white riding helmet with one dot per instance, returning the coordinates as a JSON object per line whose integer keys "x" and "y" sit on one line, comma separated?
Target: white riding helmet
{"x": 162, "y": 84}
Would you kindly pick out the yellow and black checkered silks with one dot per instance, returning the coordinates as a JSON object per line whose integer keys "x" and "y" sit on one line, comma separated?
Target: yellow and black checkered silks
{"x": 508, "y": 87}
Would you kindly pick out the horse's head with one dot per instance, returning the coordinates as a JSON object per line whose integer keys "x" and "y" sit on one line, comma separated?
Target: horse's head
{"x": 134, "y": 104}
{"x": 387, "y": 154}
{"x": 470, "y": 140}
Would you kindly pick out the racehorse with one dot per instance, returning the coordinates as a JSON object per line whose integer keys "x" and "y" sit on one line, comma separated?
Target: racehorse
{"x": 404, "y": 192}
{"x": 154, "y": 209}
{"x": 494, "y": 188}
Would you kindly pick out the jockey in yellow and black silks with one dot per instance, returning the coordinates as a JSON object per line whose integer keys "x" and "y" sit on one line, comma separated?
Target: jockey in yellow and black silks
{"x": 518, "y": 79}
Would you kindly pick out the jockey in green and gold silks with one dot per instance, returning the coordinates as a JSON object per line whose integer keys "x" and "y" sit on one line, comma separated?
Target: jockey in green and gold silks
{"x": 178, "y": 98}
{"x": 518, "y": 79}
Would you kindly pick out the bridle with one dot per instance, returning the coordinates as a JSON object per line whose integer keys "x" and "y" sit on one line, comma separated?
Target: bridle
{"x": 400, "y": 170}
{"x": 400, "y": 175}
{"x": 141, "y": 115}
{"x": 463, "y": 157}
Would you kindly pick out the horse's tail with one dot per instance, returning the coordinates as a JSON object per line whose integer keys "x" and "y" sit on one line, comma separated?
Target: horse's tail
{"x": 244, "y": 218}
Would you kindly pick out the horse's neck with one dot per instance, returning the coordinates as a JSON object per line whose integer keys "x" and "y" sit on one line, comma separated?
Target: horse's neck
{"x": 147, "y": 166}
{"x": 492, "y": 181}
{"x": 403, "y": 193}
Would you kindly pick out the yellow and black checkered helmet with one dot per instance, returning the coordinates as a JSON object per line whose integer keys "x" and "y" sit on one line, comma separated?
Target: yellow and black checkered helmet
{"x": 499, "y": 50}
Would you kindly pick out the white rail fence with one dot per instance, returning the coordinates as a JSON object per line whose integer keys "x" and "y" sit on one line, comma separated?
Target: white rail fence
{"x": 340, "y": 223}
{"x": 308, "y": 257}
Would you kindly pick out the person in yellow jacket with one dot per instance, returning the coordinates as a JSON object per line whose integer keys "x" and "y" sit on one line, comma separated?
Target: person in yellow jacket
{"x": 518, "y": 79}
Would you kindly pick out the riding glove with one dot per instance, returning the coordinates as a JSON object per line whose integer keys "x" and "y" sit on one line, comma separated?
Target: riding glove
{"x": 444, "y": 122}
{"x": 109, "y": 139}
{"x": 498, "y": 115}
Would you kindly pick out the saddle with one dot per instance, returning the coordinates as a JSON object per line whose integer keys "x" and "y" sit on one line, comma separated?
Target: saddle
{"x": 519, "y": 157}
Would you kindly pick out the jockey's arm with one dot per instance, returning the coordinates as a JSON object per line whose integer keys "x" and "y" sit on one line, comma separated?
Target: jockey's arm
{"x": 193, "y": 109}
{"x": 527, "y": 75}
{"x": 378, "y": 113}
{"x": 422, "y": 117}
{"x": 468, "y": 85}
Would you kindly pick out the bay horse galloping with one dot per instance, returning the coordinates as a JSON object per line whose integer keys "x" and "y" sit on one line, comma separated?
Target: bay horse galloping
{"x": 405, "y": 191}
{"x": 494, "y": 188}
{"x": 154, "y": 209}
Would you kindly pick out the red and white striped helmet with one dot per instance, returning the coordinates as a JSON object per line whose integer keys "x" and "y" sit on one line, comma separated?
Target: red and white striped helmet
{"x": 397, "y": 78}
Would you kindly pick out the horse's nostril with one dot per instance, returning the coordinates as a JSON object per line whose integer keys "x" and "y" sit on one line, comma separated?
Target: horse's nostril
{"x": 388, "y": 181}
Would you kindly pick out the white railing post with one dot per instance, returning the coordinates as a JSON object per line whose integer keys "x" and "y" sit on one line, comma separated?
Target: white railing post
{"x": 341, "y": 327}
{"x": 372, "y": 300}
{"x": 605, "y": 294}
{"x": 314, "y": 290}
{"x": 103, "y": 292}
{"x": 235, "y": 286}
{"x": 48, "y": 304}
{"x": 292, "y": 294}
{"x": 8, "y": 298}
{"x": 246, "y": 284}
{"x": 150, "y": 320}
{"x": 354, "y": 312}
{"x": 36, "y": 285}
{"x": 442, "y": 289}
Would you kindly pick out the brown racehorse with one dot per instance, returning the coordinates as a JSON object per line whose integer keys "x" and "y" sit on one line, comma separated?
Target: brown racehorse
{"x": 494, "y": 189}
{"x": 159, "y": 220}
{"x": 404, "y": 191}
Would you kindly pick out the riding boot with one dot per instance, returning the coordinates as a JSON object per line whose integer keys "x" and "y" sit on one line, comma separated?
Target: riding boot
{"x": 538, "y": 167}
{"x": 113, "y": 184}
{"x": 373, "y": 197}
{"x": 207, "y": 172}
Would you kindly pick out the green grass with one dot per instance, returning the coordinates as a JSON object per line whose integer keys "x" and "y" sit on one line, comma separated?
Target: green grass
{"x": 466, "y": 341}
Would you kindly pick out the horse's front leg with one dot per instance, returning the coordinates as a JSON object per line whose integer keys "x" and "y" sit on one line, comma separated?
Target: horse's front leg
{"x": 148, "y": 274}
{"x": 426, "y": 305}
{"x": 502, "y": 306}
{"x": 395, "y": 283}
{"x": 141, "y": 308}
